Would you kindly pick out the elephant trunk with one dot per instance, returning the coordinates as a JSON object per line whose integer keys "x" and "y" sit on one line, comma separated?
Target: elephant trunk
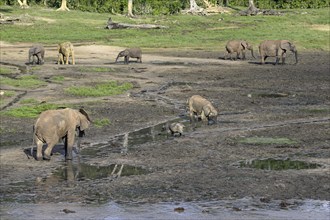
{"x": 296, "y": 56}
{"x": 117, "y": 59}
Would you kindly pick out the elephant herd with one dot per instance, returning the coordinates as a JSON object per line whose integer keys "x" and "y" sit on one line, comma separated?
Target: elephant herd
{"x": 267, "y": 48}
{"x": 64, "y": 124}
{"x": 52, "y": 126}
{"x": 65, "y": 51}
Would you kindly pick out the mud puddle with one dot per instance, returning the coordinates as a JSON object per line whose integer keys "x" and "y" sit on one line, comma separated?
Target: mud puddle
{"x": 245, "y": 208}
{"x": 128, "y": 141}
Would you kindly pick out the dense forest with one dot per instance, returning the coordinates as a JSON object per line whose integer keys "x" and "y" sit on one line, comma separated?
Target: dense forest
{"x": 157, "y": 7}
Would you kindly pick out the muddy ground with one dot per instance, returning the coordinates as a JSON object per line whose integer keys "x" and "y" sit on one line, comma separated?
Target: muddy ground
{"x": 254, "y": 101}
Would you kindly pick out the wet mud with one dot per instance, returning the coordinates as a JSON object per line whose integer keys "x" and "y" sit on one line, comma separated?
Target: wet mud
{"x": 134, "y": 167}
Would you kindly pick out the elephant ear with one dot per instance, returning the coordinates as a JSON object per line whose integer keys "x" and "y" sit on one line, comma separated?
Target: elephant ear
{"x": 206, "y": 110}
{"x": 285, "y": 45}
{"x": 244, "y": 44}
{"x": 84, "y": 119}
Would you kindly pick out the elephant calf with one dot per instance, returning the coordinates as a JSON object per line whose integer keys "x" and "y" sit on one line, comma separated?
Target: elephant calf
{"x": 131, "y": 52}
{"x": 238, "y": 46}
{"x": 277, "y": 49}
{"x": 54, "y": 125}
{"x": 38, "y": 51}
{"x": 202, "y": 107}
{"x": 175, "y": 128}
{"x": 65, "y": 50}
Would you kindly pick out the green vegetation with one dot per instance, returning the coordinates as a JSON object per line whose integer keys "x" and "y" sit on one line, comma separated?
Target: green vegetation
{"x": 267, "y": 140}
{"x": 8, "y": 93}
{"x": 95, "y": 69}
{"x": 30, "y": 111}
{"x": 101, "y": 122}
{"x": 27, "y": 81}
{"x": 307, "y": 28}
{"x": 58, "y": 79}
{"x": 29, "y": 101}
{"x": 100, "y": 89}
{"x": 5, "y": 70}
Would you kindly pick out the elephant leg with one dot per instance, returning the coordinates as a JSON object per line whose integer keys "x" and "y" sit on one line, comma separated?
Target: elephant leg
{"x": 69, "y": 141}
{"x": 243, "y": 55}
{"x": 49, "y": 149}
{"x": 203, "y": 117}
{"x": 237, "y": 55}
{"x": 73, "y": 60}
{"x": 39, "y": 149}
{"x": 66, "y": 59}
{"x": 283, "y": 55}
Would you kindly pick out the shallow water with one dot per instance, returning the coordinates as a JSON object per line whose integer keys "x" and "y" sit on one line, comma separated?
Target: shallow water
{"x": 246, "y": 208}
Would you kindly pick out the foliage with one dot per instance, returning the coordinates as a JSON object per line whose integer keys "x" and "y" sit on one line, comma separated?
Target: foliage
{"x": 185, "y": 31}
{"x": 101, "y": 122}
{"x": 101, "y": 89}
{"x": 30, "y": 111}
{"x": 29, "y": 101}
{"x": 161, "y": 7}
{"x": 29, "y": 81}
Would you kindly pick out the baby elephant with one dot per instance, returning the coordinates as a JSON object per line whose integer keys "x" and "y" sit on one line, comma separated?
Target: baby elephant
{"x": 65, "y": 50}
{"x": 38, "y": 51}
{"x": 238, "y": 46}
{"x": 175, "y": 128}
{"x": 202, "y": 107}
{"x": 131, "y": 52}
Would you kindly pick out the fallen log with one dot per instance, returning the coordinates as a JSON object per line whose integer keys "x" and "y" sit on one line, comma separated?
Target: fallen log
{"x": 115, "y": 25}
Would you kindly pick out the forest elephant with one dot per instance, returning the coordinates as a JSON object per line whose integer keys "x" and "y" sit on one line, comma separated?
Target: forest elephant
{"x": 37, "y": 50}
{"x": 174, "y": 128}
{"x": 201, "y": 107}
{"x": 238, "y": 46}
{"x": 65, "y": 50}
{"x": 130, "y": 52}
{"x": 277, "y": 49}
{"x": 54, "y": 125}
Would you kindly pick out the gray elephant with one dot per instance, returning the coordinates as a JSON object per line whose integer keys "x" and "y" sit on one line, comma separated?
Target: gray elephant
{"x": 238, "y": 46}
{"x": 130, "y": 52}
{"x": 54, "y": 125}
{"x": 202, "y": 107}
{"x": 65, "y": 50}
{"x": 278, "y": 49}
{"x": 37, "y": 50}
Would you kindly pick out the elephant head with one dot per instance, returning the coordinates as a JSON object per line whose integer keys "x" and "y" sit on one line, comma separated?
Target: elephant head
{"x": 36, "y": 51}
{"x": 288, "y": 46}
{"x": 211, "y": 114}
{"x": 248, "y": 46}
{"x": 123, "y": 53}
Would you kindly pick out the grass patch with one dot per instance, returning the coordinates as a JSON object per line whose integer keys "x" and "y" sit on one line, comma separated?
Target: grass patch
{"x": 58, "y": 79}
{"x": 316, "y": 110}
{"x": 267, "y": 140}
{"x": 95, "y": 69}
{"x": 29, "y": 101}
{"x": 101, "y": 89}
{"x": 8, "y": 94}
{"x": 30, "y": 111}
{"x": 185, "y": 31}
{"x": 101, "y": 122}
{"x": 23, "y": 81}
{"x": 5, "y": 70}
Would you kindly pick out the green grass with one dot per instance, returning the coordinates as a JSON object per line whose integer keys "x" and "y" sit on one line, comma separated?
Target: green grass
{"x": 101, "y": 89}
{"x": 58, "y": 79}
{"x": 267, "y": 140}
{"x": 30, "y": 111}
{"x": 95, "y": 69}
{"x": 5, "y": 70}
{"x": 306, "y": 28}
{"x": 9, "y": 94}
{"x": 29, "y": 101}
{"x": 27, "y": 81}
{"x": 101, "y": 122}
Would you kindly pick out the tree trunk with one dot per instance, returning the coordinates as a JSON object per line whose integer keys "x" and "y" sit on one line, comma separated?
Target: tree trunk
{"x": 193, "y": 5}
{"x": 251, "y": 6}
{"x": 23, "y": 4}
{"x": 130, "y": 9}
{"x": 63, "y": 6}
